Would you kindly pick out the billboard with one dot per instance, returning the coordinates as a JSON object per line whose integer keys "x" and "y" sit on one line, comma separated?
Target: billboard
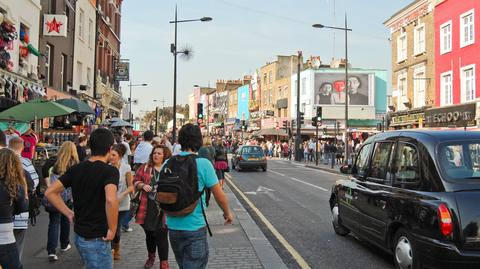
{"x": 243, "y": 99}
{"x": 55, "y": 25}
{"x": 329, "y": 89}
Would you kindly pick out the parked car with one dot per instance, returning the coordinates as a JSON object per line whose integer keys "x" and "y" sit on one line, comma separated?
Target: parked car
{"x": 415, "y": 194}
{"x": 249, "y": 157}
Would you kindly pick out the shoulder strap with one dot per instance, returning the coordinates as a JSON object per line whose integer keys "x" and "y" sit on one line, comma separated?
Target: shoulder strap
{"x": 203, "y": 212}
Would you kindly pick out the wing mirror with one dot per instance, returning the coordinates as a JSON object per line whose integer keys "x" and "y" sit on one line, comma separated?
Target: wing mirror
{"x": 346, "y": 169}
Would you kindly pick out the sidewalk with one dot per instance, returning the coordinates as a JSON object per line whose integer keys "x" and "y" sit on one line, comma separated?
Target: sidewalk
{"x": 241, "y": 245}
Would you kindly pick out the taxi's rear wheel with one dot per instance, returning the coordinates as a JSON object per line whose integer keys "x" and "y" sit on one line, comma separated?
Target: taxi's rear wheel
{"x": 404, "y": 253}
{"x": 337, "y": 226}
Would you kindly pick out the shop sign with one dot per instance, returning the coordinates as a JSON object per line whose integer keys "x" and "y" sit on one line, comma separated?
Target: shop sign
{"x": 459, "y": 116}
{"x": 55, "y": 25}
{"x": 409, "y": 118}
{"x": 270, "y": 113}
{"x": 122, "y": 70}
{"x": 282, "y": 103}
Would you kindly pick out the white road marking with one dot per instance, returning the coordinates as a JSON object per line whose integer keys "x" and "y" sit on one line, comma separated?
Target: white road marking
{"x": 298, "y": 258}
{"x": 298, "y": 180}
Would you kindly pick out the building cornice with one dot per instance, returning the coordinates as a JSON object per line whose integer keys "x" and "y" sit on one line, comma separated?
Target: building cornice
{"x": 401, "y": 18}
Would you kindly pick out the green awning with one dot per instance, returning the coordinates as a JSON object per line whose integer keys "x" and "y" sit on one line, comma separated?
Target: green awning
{"x": 217, "y": 124}
{"x": 363, "y": 123}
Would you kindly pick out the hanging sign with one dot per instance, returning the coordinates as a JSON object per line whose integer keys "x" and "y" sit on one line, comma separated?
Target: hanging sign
{"x": 55, "y": 25}
{"x": 122, "y": 70}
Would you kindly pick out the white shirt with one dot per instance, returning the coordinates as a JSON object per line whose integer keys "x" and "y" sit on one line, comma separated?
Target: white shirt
{"x": 127, "y": 153}
{"x": 142, "y": 152}
{"x": 124, "y": 203}
{"x": 177, "y": 148}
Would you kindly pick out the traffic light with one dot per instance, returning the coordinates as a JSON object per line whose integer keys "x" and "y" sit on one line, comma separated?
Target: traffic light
{"x": 285, "y": 125}
{"x": 244, "y": 125}
{"x": 293, "y": 123}
{"x": 199, "y": 112}
{"x": 302, "y": 118}
{"x": 325, "y": 131}
{"x": 319, "y": 116}
{"x": 314, "y": 122}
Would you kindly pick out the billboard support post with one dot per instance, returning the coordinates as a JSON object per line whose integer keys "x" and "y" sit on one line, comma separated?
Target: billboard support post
{"x": 298, "y": 136}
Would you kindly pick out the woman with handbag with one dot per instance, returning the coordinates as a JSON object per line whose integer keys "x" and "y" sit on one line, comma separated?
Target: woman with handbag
{"x": 59, "y": 225}
{"x": 221, "y": 162}
{"x": 125, "y": 187}
{"x": 148, "y": 213}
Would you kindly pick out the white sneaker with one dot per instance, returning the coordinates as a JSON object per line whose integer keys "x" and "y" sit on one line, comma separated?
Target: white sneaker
{"x": 67, "y": 248}
{"x": 52, "y": 257}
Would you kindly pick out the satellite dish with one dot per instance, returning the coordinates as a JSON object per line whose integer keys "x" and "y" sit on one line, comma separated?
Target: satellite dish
{"x": 316, "y": 63}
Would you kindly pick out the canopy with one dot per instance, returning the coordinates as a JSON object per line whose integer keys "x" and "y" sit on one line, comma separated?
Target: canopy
{"x": 78, "y": 105}
{"x": 37, "y": 109}
{"x": 121, "y": 123}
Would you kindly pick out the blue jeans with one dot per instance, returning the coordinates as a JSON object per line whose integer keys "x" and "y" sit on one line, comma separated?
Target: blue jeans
{"x": 190, "y": 248}
{"x": 126, "y": 221}
{"x": 95, "y": 253}
{"x": 58, "y": 224}
{"x": 9, "y": 256}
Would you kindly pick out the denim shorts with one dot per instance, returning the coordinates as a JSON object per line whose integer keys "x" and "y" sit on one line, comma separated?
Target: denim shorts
{"x": 9, "y": 256}
{"x": 190, "y": 248}
{"x": 95, "y": 253}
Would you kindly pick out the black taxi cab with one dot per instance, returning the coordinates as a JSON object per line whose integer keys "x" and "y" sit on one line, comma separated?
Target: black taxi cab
{"x": 415, "y": 194}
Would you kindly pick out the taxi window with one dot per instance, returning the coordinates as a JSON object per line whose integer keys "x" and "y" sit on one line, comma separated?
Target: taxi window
{"x": 460, "y": 161}
{"x": 361, "y": 164}
{"x": 407, "y": 164}
{"x": 379, "y": 167}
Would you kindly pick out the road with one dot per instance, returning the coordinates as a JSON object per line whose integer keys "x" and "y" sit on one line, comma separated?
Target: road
{"x": 294, "y": 199}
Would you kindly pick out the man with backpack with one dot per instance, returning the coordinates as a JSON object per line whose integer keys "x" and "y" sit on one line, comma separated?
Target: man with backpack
{"x": 181, "y": 194}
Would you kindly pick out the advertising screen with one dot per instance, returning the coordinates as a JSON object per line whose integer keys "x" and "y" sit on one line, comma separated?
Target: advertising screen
{"x": 330, "y": 89}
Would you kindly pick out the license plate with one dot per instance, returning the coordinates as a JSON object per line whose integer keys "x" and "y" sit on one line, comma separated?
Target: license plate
{"x": 252, "y": 159}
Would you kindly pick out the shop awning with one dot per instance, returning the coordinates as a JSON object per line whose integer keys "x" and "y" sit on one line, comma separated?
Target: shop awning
{"x": 272, "y": 131}
{"x": 78, "y": 105}
{"x": 363, "y": 123}
{"x": 217, "y": 124}
{"x": 37, "y": 109}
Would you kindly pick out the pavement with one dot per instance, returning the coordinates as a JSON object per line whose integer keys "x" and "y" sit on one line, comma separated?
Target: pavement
{"x": 294, "y": 199}
{"x": 240, "y": 245}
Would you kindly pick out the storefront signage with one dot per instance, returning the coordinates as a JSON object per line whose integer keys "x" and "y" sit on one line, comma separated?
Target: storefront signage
{"x": 270, "y": 113}
{"x": 459, "y": 116}
{"x": 406, "y": 119}
{"x": 282, "y": 103}
{"x": 404, "y": 21}
{"x": 55, "y": 25}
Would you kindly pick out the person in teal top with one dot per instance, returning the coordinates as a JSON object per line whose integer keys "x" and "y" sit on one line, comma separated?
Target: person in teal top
{"x": 206, "y": 178}
{"x": 188, "y": 234}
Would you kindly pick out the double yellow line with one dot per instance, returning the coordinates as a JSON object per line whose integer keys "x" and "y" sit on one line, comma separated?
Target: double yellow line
{"x": 298, "y": 258}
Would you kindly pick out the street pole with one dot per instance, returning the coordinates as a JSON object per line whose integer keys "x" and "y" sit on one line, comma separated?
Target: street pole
{"x": 316, "y": 145}
{"x": 208, "y": 115}
{"x": 174, "y": 128}
{"x": 130, "y": 104}
{"x": 346, "y": 91}
{"x": 156, "y": 120}
{"x": 298, "y": 138}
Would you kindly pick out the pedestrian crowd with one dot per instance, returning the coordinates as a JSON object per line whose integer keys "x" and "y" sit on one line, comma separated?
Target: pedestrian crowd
{"x": 102, "y": 182}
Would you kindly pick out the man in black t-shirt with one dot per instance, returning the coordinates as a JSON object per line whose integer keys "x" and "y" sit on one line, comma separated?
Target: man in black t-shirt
{"x": 94, "y": 189}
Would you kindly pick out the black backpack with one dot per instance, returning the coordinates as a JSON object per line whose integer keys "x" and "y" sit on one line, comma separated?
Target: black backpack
{"x": 177, "y": 188}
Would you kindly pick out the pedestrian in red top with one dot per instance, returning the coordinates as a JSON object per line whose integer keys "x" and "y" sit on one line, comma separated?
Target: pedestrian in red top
{"x": 30, "y": 140}
{"x": 149, "y": 215}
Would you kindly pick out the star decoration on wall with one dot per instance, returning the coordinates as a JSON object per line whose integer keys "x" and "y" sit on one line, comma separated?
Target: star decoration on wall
{"x": 54, "y": 26}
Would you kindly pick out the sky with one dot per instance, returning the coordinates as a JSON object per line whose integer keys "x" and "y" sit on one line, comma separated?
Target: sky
{"x": 243, "y": 36}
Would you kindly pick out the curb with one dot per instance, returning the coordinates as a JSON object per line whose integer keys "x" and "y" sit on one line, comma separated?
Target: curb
{"x": 323, "y": 169}
{"x": 266, "y": 253}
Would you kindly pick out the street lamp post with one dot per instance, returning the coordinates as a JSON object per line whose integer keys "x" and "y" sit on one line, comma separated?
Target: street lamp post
{"x": 130, "y": 116}
{"x": 175, "y": 52}
{"x": 156, "y": 112}
{"x": 346, "y": 30}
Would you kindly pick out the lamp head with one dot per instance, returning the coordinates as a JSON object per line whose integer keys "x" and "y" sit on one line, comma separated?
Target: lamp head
{"x": 205, "y": 19}
{"x": 144, "y": 84}
{"x": 318, "y": 25}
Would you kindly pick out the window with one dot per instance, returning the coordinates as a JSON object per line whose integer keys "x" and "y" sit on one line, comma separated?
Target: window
{"x": 468, "y": 83}
{"x": 419, "y": 86}
{"x": 63, "y": 73}
{"x": 446, "y": 91}
{"x": 446, "y": 37}
{"x": 270, "y": 96}
{"x": 360, "y": 167}
{"x": 303, "y": 108}
{"x": 402, "y": 48}
{"x": 280, "y": 92}
{"x": 419, "y": 39}
{"x": 89, "y": 76}
{"x": 48, "y": 63}
{"x": 295, "y": 88}
{"x": 80, "y": 72}
{"x": 304, "y": 86}
{"x": 264, "y": 78}
{"x": 52, "y": 6}
{"x": 460, "y": 160}
{"x": 467, "y": 28}
{"x": 270, "y": 77}
{"x": 407, "y": 164}
{"x": 380, "y": 161}
{"x": 81, "y": 20}
{"x": 90, "y": 33}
